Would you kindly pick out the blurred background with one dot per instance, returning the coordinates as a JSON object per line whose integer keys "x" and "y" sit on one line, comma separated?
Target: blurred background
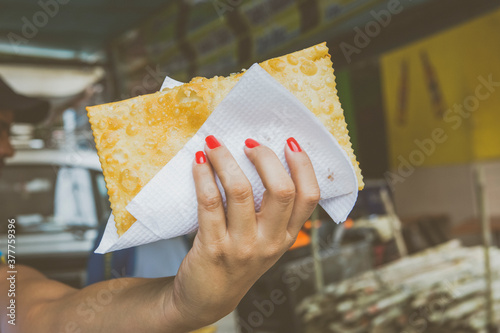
{"x": 419, "y": 81}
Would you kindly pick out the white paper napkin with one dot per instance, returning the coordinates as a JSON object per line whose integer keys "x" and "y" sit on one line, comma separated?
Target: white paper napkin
{"x": 257, "y": 107}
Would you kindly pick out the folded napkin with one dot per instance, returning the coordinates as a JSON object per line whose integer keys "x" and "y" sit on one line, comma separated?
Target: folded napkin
{"x": 257, "y": 107}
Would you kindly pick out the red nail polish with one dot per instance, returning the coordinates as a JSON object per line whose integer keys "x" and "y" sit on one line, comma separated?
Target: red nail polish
{"x": 212, "y": 142}
{"x": 251, "y": 143}
{"x": 200, "y": 157}
{"x": 293, "y": 144}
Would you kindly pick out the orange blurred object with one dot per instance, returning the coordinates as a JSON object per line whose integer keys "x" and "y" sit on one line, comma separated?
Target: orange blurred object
{"x": 348, "y": 223}
{"x": 308, "y": 224}
{"x": 302, "y": 240}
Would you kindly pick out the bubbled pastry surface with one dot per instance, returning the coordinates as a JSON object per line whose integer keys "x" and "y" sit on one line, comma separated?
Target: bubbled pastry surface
{"x": 135, "y": 138}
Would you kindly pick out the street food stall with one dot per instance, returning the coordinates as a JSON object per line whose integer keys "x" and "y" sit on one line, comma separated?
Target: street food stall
{"x": 418, "y": 83}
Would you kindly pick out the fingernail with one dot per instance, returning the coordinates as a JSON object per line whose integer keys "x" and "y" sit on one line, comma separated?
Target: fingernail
{"x": 200, "y": 157}
{"x": 293, "y": 144}
{"x": 212, "y": 142}
{"x": 251, "y": 143}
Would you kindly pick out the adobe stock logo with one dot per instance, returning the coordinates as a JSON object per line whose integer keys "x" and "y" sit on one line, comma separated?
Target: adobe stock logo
{"x": 31, "y": 27}
{"x": 452, "y": 120}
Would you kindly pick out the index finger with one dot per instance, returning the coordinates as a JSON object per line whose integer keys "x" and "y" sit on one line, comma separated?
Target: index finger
{"x": 241, "y": 220}
{"x": 211, "y": 215}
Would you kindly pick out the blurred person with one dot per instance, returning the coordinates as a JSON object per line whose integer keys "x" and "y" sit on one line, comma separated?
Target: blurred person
{"x": 230, "y": 251}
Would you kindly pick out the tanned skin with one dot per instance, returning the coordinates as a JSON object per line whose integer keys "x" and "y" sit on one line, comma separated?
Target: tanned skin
{"x": 230, "y": 252}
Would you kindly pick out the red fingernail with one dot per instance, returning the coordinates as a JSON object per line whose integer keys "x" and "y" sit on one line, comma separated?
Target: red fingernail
{"x": 200, "y": 157}
{"x": 251, "y": 143}
{"x": 294, "y": 146}
{"x": 212, "y": 142}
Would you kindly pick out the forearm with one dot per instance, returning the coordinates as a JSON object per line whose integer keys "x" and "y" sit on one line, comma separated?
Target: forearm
{"x": 119, "y": 305}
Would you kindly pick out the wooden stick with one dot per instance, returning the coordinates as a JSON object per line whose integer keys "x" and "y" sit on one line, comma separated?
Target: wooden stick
{"x": 395, "y": 223}
{"x": 486, "y": 231}
{"x": 318, "y": 268}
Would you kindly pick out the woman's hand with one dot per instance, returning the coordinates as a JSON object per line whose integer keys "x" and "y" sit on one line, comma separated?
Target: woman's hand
{"x": 232, "y": 250}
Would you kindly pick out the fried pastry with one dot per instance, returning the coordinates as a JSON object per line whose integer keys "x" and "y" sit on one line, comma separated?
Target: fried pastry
{"x": 135, "y": 138}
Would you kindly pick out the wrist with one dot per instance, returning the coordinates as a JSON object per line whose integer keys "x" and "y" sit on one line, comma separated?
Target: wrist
{"x": 174, "y": 318}
{"x": 186, "y": 311}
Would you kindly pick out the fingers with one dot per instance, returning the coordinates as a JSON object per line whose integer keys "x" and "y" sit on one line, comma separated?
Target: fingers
{"x": 278, "y": 200}
{"x": 288, "y": 201}
{"x": 238, "y": 190}
{"x": 211, "y": 215}
{"x": 307, "y": 193}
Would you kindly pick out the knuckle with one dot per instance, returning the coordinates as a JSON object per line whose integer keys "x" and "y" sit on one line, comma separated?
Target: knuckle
{"x": 217, "y": 253}
{"x": 312, "y": 196}
{"x": 284, "y": 192}
{"x": 272, "y": 251}
{"x": 245, "y": 254}
{"x": 211, "y": 202}
{"x": 241, "y": 191}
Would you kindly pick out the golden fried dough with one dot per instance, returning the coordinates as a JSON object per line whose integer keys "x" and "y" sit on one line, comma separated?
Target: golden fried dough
{"x": 135, "y": 138}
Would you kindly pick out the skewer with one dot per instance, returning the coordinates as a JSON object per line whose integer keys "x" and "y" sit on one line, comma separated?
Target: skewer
{"x": 486, "y": 231}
